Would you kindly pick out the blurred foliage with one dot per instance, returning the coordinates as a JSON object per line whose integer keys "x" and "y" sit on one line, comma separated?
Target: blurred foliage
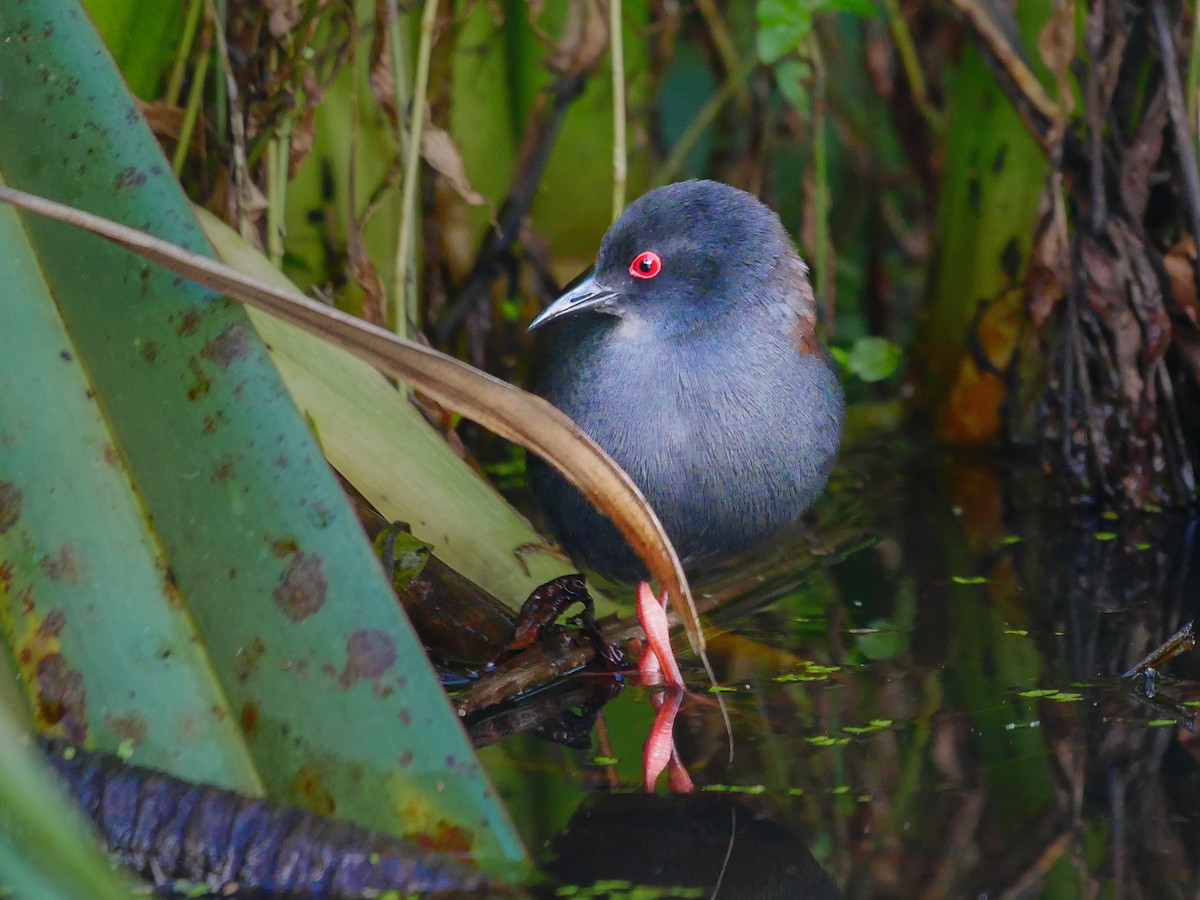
{"x": 784, "y": 25}
{"x": 936, "y": 190}
{"x": 869, "y": 358}
{"x": 908, "y": 146}
{"x": 497, "y": 71}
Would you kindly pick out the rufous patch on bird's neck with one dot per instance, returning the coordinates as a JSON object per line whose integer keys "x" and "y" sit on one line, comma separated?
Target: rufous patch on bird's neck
{"x": 804, "y": 335}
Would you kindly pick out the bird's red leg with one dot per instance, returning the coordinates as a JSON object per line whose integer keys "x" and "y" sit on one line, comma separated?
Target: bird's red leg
{"x": 652, "y": 614}
{"x": 678, "y": 778}
{"x": 658, "y": 664}
{"x": 659, "y": 751}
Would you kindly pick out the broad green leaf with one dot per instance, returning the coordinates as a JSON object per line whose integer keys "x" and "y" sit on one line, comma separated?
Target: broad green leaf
{"x": 89, "y": 609}
{"x": 873, "y": 358}
{"x": 993, "y": 181}
{"x": 216, "y": 559}
{"x": 783, "y": 25}
{"x": 792, "y": 76}
{"x": 378, "y": 440}
{"x": 143, "y": 36}
{"x": 504, "y": 409}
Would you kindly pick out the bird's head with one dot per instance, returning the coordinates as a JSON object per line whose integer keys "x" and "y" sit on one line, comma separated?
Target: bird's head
{"x": 680, "y": 255}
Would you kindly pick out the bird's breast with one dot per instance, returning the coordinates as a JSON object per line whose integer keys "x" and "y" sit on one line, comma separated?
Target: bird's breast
{"x": 729, "y": 440}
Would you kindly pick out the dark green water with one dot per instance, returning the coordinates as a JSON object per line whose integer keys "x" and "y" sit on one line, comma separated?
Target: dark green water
{"x": 935, "y": 714}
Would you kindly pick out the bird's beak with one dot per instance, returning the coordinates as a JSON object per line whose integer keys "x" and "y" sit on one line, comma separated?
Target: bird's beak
{"x": 583, "y": 293}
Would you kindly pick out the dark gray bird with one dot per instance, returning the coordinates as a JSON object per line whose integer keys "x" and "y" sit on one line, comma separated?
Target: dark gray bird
{"x": 688, "y": 352}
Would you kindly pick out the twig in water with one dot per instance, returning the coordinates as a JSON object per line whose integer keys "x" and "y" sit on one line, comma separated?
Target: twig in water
{"x": 1180, "y": 642}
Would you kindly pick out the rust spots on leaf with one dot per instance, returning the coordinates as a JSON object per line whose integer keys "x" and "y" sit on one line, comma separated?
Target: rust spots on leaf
{"x": 10, "y": 505}
{"x": 249, "y": 718}
{"x": 129, "y": 177}
{"x": 248, "y": 659}
{"x": 188, "y": 323}
{"x": 61, "y": 697}
{"x": 231, "y": 344}
{"x": 302, "y": 588}
{"x": 311, "y": 793}
{"x": 6, "y": 577}
{"x": 284, "y": 547}
{"x": 60, "y": 566}
{"x": 128, "y": 728}
{"x": 213, "y": 422}
{"x": 26, "y": 33}
{"x": 202, "y": 385}
{"x": 52, "y": 625}
{"x": 150, "y": 350}
{"x": 322, "y": 513}
{"x": 369, "y": 653}
{"x": 444, "y": 838}
{"x": 223, "y": 471}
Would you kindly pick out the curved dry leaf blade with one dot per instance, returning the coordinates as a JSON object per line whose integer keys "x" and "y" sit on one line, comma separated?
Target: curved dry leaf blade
{"x": 439, "y": 151}
{"x": 498, "y": 406}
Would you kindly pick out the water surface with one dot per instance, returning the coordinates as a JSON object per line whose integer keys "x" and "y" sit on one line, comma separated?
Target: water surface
{"x": 934, "y": 714}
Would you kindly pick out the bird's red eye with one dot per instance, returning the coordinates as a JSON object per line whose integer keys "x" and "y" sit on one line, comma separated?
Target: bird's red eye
{"x": 646, "y": 264}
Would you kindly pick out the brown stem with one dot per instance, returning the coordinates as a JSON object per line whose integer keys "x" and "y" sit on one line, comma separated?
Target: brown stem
{"x": 540, "y": 134}
{"x": 1183, "y": 134}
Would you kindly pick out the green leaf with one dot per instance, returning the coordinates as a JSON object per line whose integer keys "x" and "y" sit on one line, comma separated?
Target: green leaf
{"x": 873, "y": 358}
{"x": 187, "y": 579}
{"x": 864, "y": 8}
{"x": 381, "y": 444}
{"x": 792, "y": 76}
{"x": 782, "y": 26}
{"x": 142, "y": 35}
